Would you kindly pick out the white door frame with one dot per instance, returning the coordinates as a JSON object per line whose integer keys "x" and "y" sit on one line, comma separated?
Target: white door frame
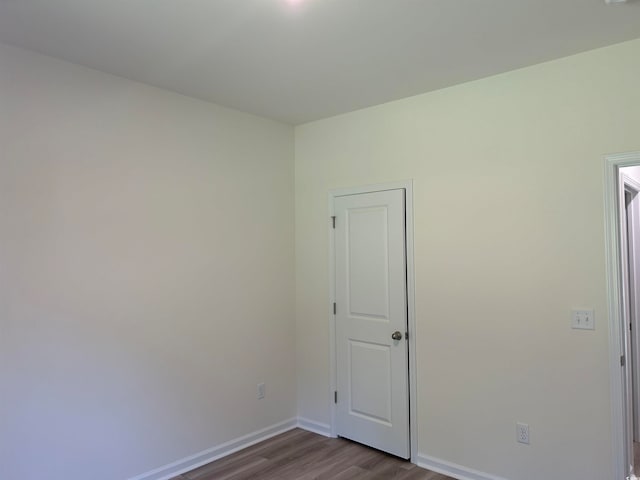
{"x": 407, "y": 185}
{"x": 620, "y": 444}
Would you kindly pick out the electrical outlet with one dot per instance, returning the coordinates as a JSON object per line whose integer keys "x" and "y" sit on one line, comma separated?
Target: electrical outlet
{"x": 260, "y": 391}
{"x": 522, "y": 433}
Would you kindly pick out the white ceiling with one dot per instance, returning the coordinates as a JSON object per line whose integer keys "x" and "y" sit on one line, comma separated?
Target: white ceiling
{"x": 301, "y": 60}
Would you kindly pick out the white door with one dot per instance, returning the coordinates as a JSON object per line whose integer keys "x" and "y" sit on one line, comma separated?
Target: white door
{"x": 627, "y": 197}
{"x": 371, "y": 320}
{"x": 633, "y": 227}
{"x": 626, "y": 365}
{"x": 630, "y": 226}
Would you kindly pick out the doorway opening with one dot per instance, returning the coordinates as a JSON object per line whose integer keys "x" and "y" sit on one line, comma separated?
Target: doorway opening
{"x": 622, "y": 220}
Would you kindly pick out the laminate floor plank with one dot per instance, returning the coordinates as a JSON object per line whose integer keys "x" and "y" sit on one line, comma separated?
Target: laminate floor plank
{"x": 341, "y": 462}
{"x": 275, "y": 444}
{"x": 302, "y": 455}
{"x": 352, "y": 473}
{"x": 230, "y": 470}
{"x": 303, "y": 465}
{"x": 419, "y": 474}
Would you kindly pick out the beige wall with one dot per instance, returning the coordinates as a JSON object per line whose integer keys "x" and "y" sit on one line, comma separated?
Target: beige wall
{"x": 509, "y": 236}
{"x": 146, "y": 273}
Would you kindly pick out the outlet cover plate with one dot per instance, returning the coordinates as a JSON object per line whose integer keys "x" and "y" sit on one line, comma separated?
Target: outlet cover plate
{"x": 522, "y": 433}
{"x": 583, "y": 319}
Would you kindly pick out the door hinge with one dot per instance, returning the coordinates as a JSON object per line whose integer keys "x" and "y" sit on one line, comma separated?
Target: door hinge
{"x": 335, "y": 396}
{"x": 622, "y": 361}
{"x": 333, "y": 221}
{"x": 335, "y": 308}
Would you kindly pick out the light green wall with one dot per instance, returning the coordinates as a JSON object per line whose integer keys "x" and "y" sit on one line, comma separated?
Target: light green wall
{"x": 509, "y": 236}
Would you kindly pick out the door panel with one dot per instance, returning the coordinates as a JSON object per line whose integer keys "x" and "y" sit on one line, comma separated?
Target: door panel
{"x": 368, "y": 258}
{"x": 373, "y": 386}
{"x": 370, "y": 381}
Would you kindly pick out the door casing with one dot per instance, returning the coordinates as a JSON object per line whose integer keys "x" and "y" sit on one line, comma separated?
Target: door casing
{"x": 407, "y": 185}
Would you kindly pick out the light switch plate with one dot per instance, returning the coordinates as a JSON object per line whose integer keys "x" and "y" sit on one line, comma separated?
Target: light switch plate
{"x": 583, "y": 319}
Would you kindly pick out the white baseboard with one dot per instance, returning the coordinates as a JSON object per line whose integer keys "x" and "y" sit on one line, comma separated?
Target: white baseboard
{"x": 452, "y": 470}
{"x": 194, "y": 461}
{"x": 315, "y": 427}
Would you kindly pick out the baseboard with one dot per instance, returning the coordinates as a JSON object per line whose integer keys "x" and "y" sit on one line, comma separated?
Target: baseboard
{"x": 453, "y": 470}
{"x": 315, "y": 427}
{"x": 194, "y": 461}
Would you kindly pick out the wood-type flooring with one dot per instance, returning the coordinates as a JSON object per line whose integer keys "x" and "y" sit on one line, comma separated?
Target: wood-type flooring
{"x": 301, "y": 455}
